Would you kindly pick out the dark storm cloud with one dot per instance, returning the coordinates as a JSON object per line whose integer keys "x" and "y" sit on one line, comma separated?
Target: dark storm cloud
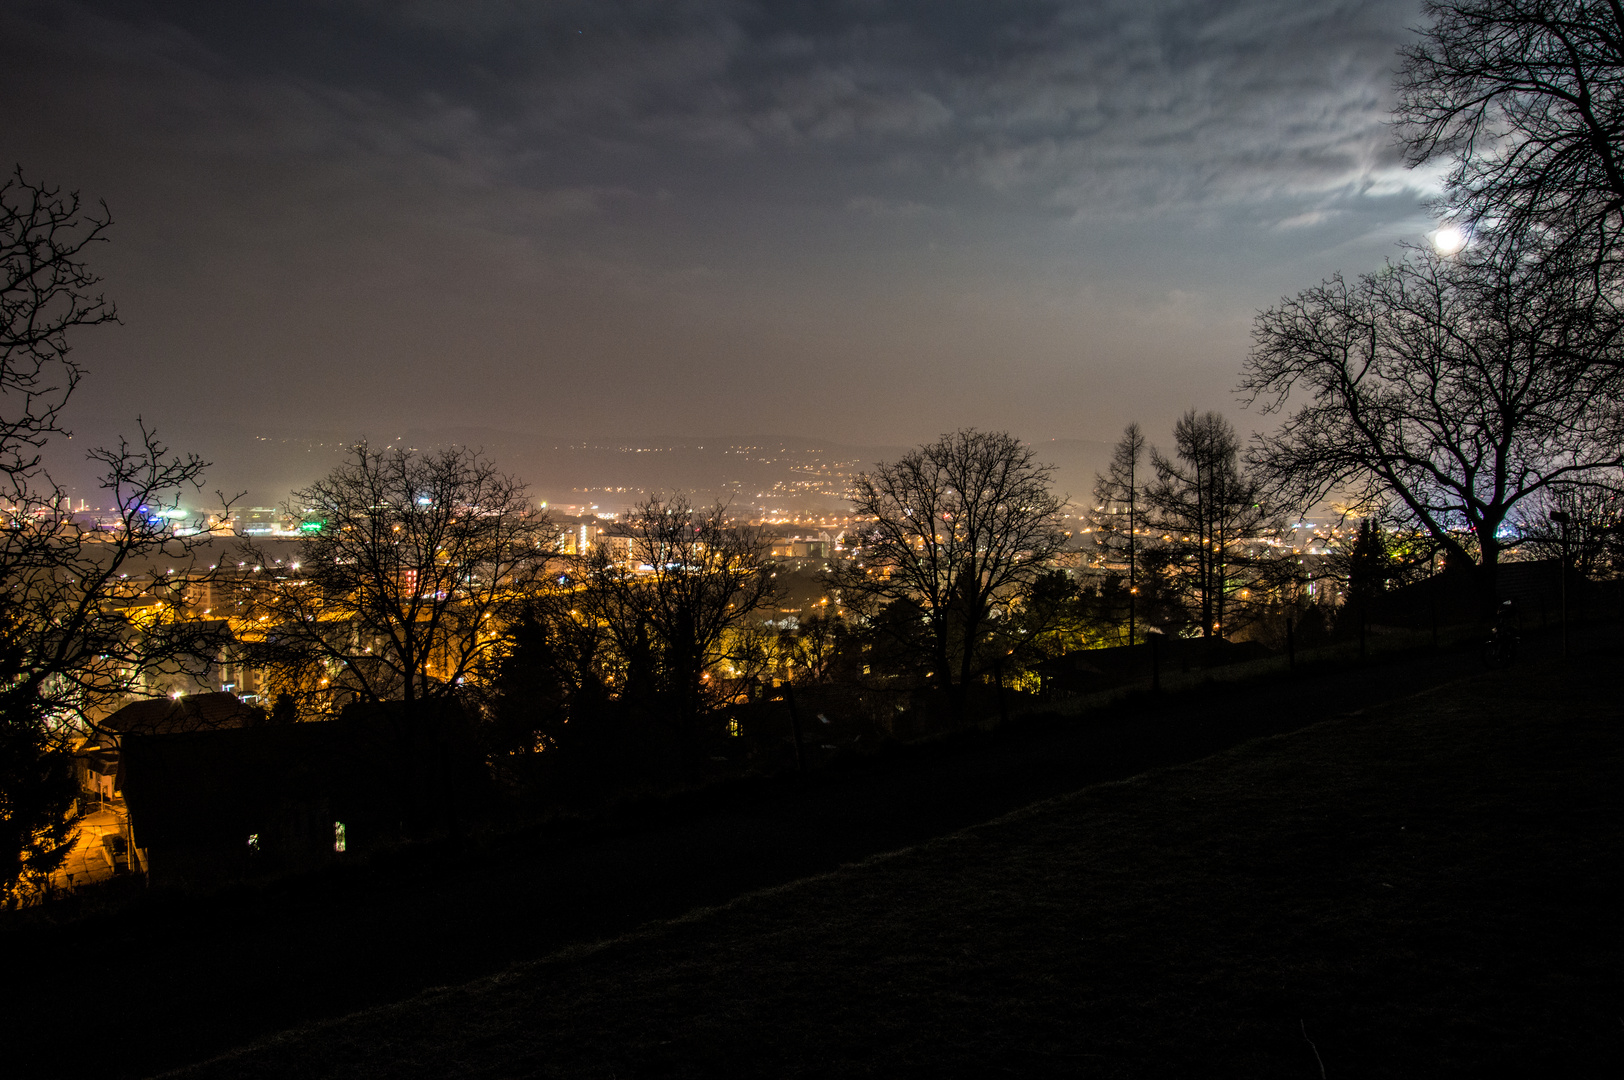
{"x": 1098, "y": 108}
{"x": 1021, "y": 201}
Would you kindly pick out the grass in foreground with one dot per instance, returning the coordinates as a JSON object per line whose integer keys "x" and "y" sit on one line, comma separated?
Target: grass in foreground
{"x": 1432, "y": 889}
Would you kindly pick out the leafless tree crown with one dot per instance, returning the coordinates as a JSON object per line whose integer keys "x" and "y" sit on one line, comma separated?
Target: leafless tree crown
{"x": 45, "y": 291}
{"x": 408, "y": 559}
{"x": 1525, "y": 99}
{"x": 956, "y": 527}
{"x": 679, "y": 603}
{"x": 1210, "y": 509}
{"x": 1441, "y": 385}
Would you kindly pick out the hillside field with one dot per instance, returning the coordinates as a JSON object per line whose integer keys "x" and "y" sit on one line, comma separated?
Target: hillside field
{"x": 1430, "y": 887}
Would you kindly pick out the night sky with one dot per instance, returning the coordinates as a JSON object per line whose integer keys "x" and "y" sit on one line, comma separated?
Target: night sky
{"x": 864, "y": 221}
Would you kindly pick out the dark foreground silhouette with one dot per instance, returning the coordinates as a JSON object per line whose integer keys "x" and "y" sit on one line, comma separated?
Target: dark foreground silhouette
{"x": 1432, "y": 881}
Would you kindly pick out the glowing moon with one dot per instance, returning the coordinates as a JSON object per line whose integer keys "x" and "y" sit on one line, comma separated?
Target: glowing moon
{"x": 1448, "y": 240}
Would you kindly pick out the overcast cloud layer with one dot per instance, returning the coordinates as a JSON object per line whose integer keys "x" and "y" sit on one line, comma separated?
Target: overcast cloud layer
{"x": 869, "y": 221}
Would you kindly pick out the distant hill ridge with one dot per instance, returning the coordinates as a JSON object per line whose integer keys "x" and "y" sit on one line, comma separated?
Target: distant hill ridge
{"x": 804, "y": 475}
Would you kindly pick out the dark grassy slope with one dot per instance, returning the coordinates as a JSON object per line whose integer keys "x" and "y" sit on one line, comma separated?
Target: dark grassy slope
{"x": 197, "y": 976}
{"x": 188, "y": 977}
{"x": 1432, "y": 888}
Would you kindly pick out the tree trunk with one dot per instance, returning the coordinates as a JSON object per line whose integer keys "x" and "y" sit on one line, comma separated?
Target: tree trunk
{"x": 1488, "y": 577}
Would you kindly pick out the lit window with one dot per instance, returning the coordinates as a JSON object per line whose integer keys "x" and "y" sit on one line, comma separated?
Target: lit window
{"x": 338, "y": 836}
